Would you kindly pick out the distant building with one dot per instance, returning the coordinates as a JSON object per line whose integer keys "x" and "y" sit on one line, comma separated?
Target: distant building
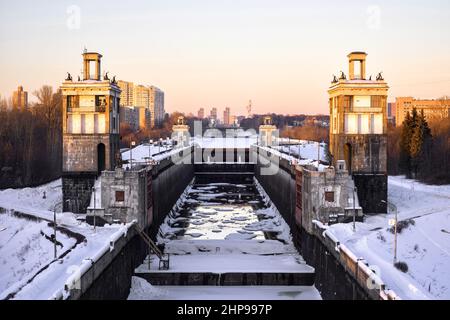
{"x": 129, "y": 115}
{"x": 156, "y": 106}
{"x": 432, "y": 109}
{"x": 20, "y": 98}
{"x": 149, "y": 97}
{"x": 226, "y": 116}
{"x": 234, "y": 121}
{"x": 141, "y": 96}
{"x": 391, "y": 112}
{"x": 201, "y": 113}
{"x": 145, "y": 118}
{"x": 138, "y": 118}
{"x": 213, "y": 114}
{"x": 126, "y": 96}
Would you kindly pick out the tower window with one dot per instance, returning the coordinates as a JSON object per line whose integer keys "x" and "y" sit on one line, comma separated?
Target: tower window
{"x": 120, "y": 196}
{"x": 329, "y": 196}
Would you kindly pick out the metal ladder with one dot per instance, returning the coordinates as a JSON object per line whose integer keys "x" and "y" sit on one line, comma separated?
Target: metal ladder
{"x": 164, "y": 259}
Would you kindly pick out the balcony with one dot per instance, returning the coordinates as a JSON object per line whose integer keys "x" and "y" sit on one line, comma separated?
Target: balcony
{"x": 99, "y": 108}
{"x": 363, "y": 109}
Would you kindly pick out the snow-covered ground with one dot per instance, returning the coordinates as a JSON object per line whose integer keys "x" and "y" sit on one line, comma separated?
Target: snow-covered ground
{"x": 24, "y": 251}
{"x": 424, "y": 245}
{"x": 142, "y": 290}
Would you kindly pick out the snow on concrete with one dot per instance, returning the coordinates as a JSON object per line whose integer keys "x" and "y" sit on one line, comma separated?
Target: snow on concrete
{"x": 142, "y": 290}
{"x": 37, "y": 252}
{"x": 309, "y": 158}
{"x": 232, "y": 262}
{"x": 239, "y": 142}
{"x": 424, "y": 245}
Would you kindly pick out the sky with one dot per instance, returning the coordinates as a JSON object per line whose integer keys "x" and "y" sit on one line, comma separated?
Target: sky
{"x": 281, "y": 54}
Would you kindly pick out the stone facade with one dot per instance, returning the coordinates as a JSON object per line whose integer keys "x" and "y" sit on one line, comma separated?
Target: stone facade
{"x": 77, "y": 189}
{"x": 121, "y": 197}
{"x": 326, "y": 196}
{"x": 90, "y": 126}
{"x": 358, "y": 130}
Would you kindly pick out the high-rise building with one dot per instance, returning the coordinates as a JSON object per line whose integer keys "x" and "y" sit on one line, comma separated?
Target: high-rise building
{"x": 145, "y": 118}
{"x": 127, "y": 95}
{"x": 391, "y": 112}
{"x": 90, "y": 132}
{"x": 358, "y": 131}
{"x": 201, "y": 113}
{"x": 141, "y": 96}
{"x": 213, "y": 114}
{"x": 138, "y": 118}
{"x": 432, "y": 109}
{"x": 226, "y": 116}
{"x": 128, "y": 115}
{"x": 156, "y": 105}
{"x": 20, "y": 98}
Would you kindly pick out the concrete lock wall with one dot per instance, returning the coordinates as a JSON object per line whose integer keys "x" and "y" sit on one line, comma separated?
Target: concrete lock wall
{"x": 331, "y": 279}
{"x": 110, "y": 276}
{"x": 169, "y": 181}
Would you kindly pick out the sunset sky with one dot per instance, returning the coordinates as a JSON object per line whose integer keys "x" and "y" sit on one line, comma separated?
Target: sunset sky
{"x": 204, "y": 53}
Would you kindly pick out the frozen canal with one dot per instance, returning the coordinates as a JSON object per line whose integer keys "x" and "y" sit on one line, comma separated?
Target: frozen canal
{"x": 221, "y": 211}
{"x": 224, "y": 228}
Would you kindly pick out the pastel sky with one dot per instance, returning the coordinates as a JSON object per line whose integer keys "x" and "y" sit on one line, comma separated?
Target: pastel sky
{"x": 204, "y": 53}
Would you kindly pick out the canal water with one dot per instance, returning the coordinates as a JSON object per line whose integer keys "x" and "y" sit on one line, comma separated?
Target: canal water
{"x": 225, "y": 241}
{"x": 223, "y": 211}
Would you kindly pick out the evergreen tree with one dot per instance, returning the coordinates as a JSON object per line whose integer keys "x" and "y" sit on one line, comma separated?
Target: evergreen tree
{"x": 420, "y": 146}
{"x": 405, "y": 138}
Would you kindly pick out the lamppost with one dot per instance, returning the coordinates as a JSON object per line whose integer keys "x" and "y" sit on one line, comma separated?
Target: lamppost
{"x": 54, "y": 227}
{"x": 133, "y": 143}
{"x": 393, "y": 223}
{"x": 289, "y": 147}
{"x": 318, "y": 154}
{"x": 354, "y": 210}
{"x": 354, "y": 190}
{"x": 93, "y": 191}
{"x": 160, "y": 144}
{"x": 150, "y": 149}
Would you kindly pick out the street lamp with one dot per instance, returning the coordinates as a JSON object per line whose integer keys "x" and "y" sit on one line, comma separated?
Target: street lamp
{"x": 150, "y": 148}
{"x": 133, "y": 143}
{"x": 354, "y": 210}
{"x": 93, "y": 190}
{"x": 54, "y": 227}
{"x": 354, "y": 190}
{"x": 394, "y": 223}
{"x": 160, "y": 144}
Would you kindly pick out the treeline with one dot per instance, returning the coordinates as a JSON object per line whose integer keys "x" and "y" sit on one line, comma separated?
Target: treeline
{"x": 420, "y": 149}
{"x": 307, "y": 132}
{"x": 127, "y": 135}
{"x": 30, "y": 141}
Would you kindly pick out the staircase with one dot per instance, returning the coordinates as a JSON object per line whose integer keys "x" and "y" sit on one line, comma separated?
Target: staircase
{"x": 164, "y": 259}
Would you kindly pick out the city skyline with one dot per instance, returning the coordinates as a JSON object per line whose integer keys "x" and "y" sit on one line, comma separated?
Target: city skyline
{"x": 279, "y": 55}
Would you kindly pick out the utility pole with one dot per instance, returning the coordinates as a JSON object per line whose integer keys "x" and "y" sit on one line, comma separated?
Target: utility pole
{"x": 133, "y": 143}
{"x": 394, "y": 223}
{"x": 54, "y": 232}
{"x": 93, "y": 190}
{"x": 354, "y": 210}
{"x": 395, "y": 237}
{"x": 318, "y": 154}
{"x": 55, "y": 253}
